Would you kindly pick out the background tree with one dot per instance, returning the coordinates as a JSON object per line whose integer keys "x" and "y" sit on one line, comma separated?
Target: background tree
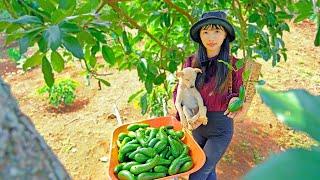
{"x": 153, "y": 38}
{"x": 149, "y": 36}
{"x": 23, "y": 152}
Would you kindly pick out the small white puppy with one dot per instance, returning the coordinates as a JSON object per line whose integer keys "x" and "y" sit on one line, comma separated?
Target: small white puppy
{"x": 189, "y": 102}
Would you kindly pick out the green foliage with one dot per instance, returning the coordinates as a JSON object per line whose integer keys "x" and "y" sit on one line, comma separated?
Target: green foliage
{"x": 156, "y": 103}
{"x": 294, "y": 164}
{"x": 61, "y": 93}
{"x": 299, "y": 110}
{"x": 149, "y": 36}
{"x": 296, "y": 108}
{"x": 14, "y": 54}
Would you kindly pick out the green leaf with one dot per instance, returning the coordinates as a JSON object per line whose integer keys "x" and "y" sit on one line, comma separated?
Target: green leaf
{"x": 144, "y": 104}
{"x": 46, "y": 5}
{"x": 227, "y": 64}
{"x": 284, "y": 27}
{"x": 252, "y": 29}
{"x": 271, "y": 19}
{"x": 167, "y": 19}
{"x": 58, "y": 15}
{"x": 239, "y": 63}
{"x": 14, "y": 54}
{"x": 246, "y": 75}
{"x": 160, "y": 79}
{"x": 141, "y": 71}
{"x": 254, "y": 17}
{"x": 172, "y": 67}
{"x": 106, "y": 83}
{"x": 73, "y": 46}
{"x": 69, "y": 27}
{"x": 24, "y": 44}
{"x": 294, "y": 164}
{"x": 98, "y": 35}
{"x": 108, "y": 55}
{"x": 47, "y": 72}
{"x": 126, "y": 42}
{"x": 296, "y": 108}
{"x": 33, "y": 61}
{"x": 89, "y": 58}
{"x": 283, "y": 15}
{"x": 57, "y": 61}
{"x": 92, "y": 61}
{"x": 302, "y": 16}
{"x": 53, "y": 37}
{"x": 149, "y": 83}
{"x": 63, "y": 4}
{"x": 87, "y": 7}
{"x": 26, "y": 19}
{"x": 133, "y": 96}
{"x": 43, "y": 45}
{"x": 4, "y": 25}
{"x": 317, "y": 39}
{"x": 86, "y": 37}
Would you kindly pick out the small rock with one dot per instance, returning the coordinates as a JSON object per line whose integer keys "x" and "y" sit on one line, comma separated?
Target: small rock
{"x": 104, "y": 159}
{"x": 112, "y": 116}
{"x": 73, "y": 150}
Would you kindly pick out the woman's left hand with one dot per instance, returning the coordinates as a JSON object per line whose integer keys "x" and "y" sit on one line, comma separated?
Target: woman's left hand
{"x": 236, "y": 113}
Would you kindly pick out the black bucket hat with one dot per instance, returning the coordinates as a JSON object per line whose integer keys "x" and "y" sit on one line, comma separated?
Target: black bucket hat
{"x": 212, "y": 17}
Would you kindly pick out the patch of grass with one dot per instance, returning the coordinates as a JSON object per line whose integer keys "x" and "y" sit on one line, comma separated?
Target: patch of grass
{"x": 229, "y": 158}
{"x": 305, "y": 73}
{"x": 255, "y": 131}
{"x": 294, "y": 139}
{"x": 67, "y": 146}
{"x": 257, "y": 157}
{"x": 244, "y": 146}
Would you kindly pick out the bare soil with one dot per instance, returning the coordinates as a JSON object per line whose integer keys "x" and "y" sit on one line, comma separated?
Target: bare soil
{"x": 79, "y": 134}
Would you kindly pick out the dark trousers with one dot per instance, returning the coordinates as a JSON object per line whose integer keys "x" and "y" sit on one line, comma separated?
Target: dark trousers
{"x": 214, "y": 139}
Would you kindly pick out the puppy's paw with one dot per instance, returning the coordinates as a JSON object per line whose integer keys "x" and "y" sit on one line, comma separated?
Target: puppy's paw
{"x": 205, "y": 121}
{"x": 184, "y": 124}
{"x": 196, "y": 124}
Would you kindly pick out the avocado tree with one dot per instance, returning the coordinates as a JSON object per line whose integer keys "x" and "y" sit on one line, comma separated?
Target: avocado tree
{"x": 151, "y": 37}
{"x": 24, "y": 154}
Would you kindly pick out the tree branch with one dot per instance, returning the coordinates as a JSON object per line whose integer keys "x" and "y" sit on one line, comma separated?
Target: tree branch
{"x": 9, "y": 9}
{"x": 104, "y": 2}
{"x": 186, "y": 14}
{"x": 27, "y": 6}
{"x": 242, "y": 26}
{"x": 113, "y": 5}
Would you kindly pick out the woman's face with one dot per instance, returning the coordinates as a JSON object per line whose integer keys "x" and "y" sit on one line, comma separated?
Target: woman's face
{"x": 212, "y": 37}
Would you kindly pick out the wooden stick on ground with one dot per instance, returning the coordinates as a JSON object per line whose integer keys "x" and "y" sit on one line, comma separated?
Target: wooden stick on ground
{"x": 116, "y": 112}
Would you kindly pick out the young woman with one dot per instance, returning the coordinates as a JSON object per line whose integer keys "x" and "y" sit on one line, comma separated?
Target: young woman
{"x": 217, "y": 85}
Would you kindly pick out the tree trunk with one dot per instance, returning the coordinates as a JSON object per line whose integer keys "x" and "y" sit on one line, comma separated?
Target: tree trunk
{"x": 23, "y": 152}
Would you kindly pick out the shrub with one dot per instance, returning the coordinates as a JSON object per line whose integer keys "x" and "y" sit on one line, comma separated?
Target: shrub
{"x": 61, "y": 93}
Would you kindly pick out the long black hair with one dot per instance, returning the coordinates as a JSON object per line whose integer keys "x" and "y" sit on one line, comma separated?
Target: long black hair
{"x": 213, "y": 68}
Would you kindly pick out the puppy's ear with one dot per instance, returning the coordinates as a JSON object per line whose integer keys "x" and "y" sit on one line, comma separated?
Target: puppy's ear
{"x": 197, "y": 70}
{"x": 179, "y": 74}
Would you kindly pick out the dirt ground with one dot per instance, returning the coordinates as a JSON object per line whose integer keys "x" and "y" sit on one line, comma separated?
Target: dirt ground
{"x": 79, "y": 134}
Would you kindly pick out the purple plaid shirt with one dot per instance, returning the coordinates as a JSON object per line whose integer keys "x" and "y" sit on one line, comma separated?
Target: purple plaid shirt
{"x": 218, "y": 101}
